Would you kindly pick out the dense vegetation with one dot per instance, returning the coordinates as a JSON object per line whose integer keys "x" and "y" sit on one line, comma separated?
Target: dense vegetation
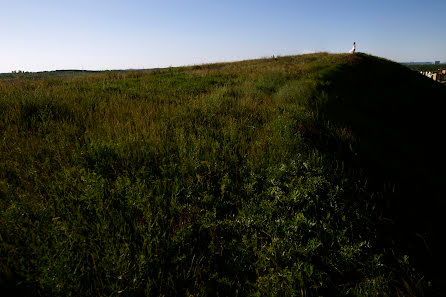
{"x": 313, "y": 175}
{"x": 428, "y": 67}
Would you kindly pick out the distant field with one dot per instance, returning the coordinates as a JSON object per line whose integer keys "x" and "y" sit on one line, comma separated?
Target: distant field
{"x": 312, "y": 175}
{"x": 43, "y": 75}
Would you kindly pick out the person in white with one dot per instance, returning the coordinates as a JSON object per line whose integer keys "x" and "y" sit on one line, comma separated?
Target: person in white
{"x": 353, "y": 49}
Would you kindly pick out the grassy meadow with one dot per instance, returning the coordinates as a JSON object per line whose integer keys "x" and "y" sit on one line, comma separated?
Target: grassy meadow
{"x": 311, "y": 175}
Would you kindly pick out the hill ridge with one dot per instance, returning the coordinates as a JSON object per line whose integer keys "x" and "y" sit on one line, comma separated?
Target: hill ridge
{"x": 319, "y": 174}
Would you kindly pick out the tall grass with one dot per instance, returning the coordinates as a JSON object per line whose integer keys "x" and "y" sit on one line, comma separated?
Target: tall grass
{"x": 223, "y": 179}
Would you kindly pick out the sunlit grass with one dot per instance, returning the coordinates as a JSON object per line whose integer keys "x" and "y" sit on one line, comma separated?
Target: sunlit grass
{"x": 227, "y": 179}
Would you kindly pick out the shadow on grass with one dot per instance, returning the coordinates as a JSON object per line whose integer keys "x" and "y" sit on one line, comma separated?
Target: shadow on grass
{"x": 396, "y": 118}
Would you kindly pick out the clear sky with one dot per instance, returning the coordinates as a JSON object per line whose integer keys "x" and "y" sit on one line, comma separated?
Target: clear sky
{"x": 41, "y": 35}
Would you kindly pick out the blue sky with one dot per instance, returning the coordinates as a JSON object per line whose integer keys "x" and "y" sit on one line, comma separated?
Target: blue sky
{"x": 42, "y": 35}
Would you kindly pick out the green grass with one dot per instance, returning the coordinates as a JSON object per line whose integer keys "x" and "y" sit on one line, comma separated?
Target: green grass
{"x": 312, "y": 175}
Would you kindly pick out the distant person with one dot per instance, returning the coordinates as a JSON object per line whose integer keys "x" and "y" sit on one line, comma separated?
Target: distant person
{"x": 353, "y": 50}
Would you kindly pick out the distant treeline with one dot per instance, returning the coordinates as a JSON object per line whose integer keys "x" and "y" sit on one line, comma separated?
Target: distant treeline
{"x": 58, "y": 73}
{"x": 43, "y": 74}
{"x": 427, "y": 67}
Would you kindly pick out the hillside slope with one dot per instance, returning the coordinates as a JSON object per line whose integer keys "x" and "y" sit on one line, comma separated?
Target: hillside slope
{"x": 305, "y": 175}
{"x": 398, "y": 117}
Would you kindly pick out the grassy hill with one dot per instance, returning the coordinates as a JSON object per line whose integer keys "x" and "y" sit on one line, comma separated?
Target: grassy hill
{"x": 312, "y": 175}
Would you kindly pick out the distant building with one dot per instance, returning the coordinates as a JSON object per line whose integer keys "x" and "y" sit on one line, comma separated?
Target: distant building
{"x": 437, "y": 62}
{"x": 439, "y": 75}
{"x": 417, "y": 63}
